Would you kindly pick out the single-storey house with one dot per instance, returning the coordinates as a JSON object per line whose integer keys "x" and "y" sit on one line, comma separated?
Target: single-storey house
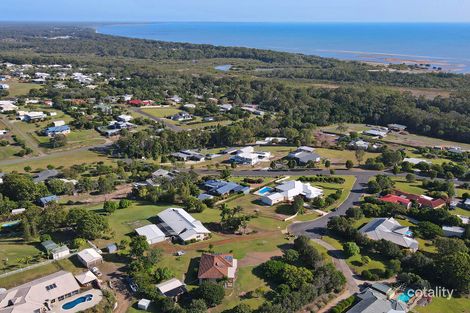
{"x": 247, "y": 155}
{"x": 396, "y": 200}
{"x": 89, "y": 257}
{"x": 124, "y": 118}
{"x": 389, "y": 229}
{"x": 38, "y": 295}
{"x": 396, "y": 127}
{"x": 375, "y": 133}
{"x": 288, "y": 190}
{"x": 44, "y": 201}
{"x": 303, "y": 155}
{"x": 152, "y": 233}
{"x": 45, "y": 175}
{"x": 181, "y": 116}
{"x": 57, "y": 130}
{"x": 172, "y": 288}
{"x": 422, "y": 200}
{"x": 7, "y": 106}
{"x": 453, "y": 231}
{"x": 221, "y": 187}
{"x": 217, "y": 267}
{"x": 178, "y": 223}
{"x": 415, "y": 161}
{"x": 188, "y": 155}
{"x": 373, "y": 301}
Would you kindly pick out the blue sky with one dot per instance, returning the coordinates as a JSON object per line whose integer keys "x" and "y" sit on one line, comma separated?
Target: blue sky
{"x": 237, "y": 10}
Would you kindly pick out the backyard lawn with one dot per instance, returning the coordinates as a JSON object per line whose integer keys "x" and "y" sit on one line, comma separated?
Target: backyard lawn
{"x": 40, "y": 271}
{"x": 162, "y": 112}
{"x": 441, "y": 305}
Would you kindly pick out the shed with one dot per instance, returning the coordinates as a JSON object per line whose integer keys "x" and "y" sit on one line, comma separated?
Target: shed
{"x": 112, "y": 248}
{"x": 89, "y": 257}
{"x": 85, "y": 278}
{"x": 143, "y": 304}
{"x": 60, "y": 252}
{"x": 152, "y": 233}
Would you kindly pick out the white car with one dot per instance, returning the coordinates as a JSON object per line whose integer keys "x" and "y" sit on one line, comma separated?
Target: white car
{"x": 96, "y": 271}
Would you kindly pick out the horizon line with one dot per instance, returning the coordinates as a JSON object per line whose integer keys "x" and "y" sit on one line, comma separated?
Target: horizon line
{"x": 226, "y": 22}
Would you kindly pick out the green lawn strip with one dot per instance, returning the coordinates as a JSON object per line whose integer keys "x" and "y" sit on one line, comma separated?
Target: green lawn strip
{"x": 323, "y": 251}
{"x": 441, "y": 305}
{"x": 66, "y": 160}
{"x": 40, "y": 271}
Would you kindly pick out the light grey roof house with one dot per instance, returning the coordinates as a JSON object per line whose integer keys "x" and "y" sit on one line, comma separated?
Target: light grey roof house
{"x": 389, "y": 229}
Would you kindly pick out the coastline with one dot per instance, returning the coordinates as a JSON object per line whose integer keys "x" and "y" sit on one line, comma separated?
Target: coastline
{"x": 190, "y": 32}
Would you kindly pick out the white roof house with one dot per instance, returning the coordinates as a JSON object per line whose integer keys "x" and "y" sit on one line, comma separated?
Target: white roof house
{"x": 415, "y": 161}
{"x": 177, "y": 222}
{"x": 89, "y": 257}
{"x": 247, "y": 155}
{"x": 389, "y": 229}
{"x": 152, "y": 233}
{"x": 33, "y": 296}
{"x": 453, "y": 231}
{"x": 124, "y": 118}
{"x": 171, "y": 288}
{"x": 290, "y": 189}
{"x": 7, "y": 105}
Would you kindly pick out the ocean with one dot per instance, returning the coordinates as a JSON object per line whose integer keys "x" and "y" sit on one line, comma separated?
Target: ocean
{"x": 441, "y": 45}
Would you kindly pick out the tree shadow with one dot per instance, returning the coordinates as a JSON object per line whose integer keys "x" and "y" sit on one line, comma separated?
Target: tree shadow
{"x": 191, "y": 274}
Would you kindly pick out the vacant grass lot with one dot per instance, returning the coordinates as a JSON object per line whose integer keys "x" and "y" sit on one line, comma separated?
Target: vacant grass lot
{"x": 20, "y": 89}
{"x": 60, "y": 159}
{"x": 162, "y": 112}
{"x": 339, "y": 157}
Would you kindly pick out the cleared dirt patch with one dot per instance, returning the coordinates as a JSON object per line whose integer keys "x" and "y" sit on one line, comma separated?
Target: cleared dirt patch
{"x": 256, "y": 258}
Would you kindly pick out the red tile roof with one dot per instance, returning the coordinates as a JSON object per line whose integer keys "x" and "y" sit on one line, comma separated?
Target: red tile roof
{"x": 214, "y": 266}
{"x": 395, "y": 199}
{"x": 422, "y": 200}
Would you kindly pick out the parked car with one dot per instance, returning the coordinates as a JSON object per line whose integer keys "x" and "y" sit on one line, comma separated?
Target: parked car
{"x": 96, "y": 271}
{"x": 132, "y": 285}
{"x": 180, "y": 253}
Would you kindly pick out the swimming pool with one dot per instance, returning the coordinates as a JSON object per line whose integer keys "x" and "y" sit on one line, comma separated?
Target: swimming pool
{"x": 11, "y": 224}
{"x": 264, "y": 190}
{"x": 74, "y": 303}
{"x": 406, "y": 296}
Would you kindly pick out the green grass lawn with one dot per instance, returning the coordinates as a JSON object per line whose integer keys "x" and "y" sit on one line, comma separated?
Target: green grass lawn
{"x": 20, "y": 89}
{"x": 66, "y": 160}
{"x": 14, "y": 249}
{"x": 339, "y": 157}
{"x": 44, "y": 270}
{"x": 441, "y": 305}
{"x": 8, "y": 152}
{"x": 402, "y": 185}
{"x": 162, "y": 112}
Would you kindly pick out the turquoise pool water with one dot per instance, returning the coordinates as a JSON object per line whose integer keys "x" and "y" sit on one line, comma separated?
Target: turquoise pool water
{"x": 11, "y": 224}
{"x": 406, "y": 296}
{"x": 74, "y": 303}
{"x": 265, "y": 190}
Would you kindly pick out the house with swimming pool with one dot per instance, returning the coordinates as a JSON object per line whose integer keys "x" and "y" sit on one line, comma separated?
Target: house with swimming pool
{"x": 58, "y": 292}
{"x": 287, "y": 191}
